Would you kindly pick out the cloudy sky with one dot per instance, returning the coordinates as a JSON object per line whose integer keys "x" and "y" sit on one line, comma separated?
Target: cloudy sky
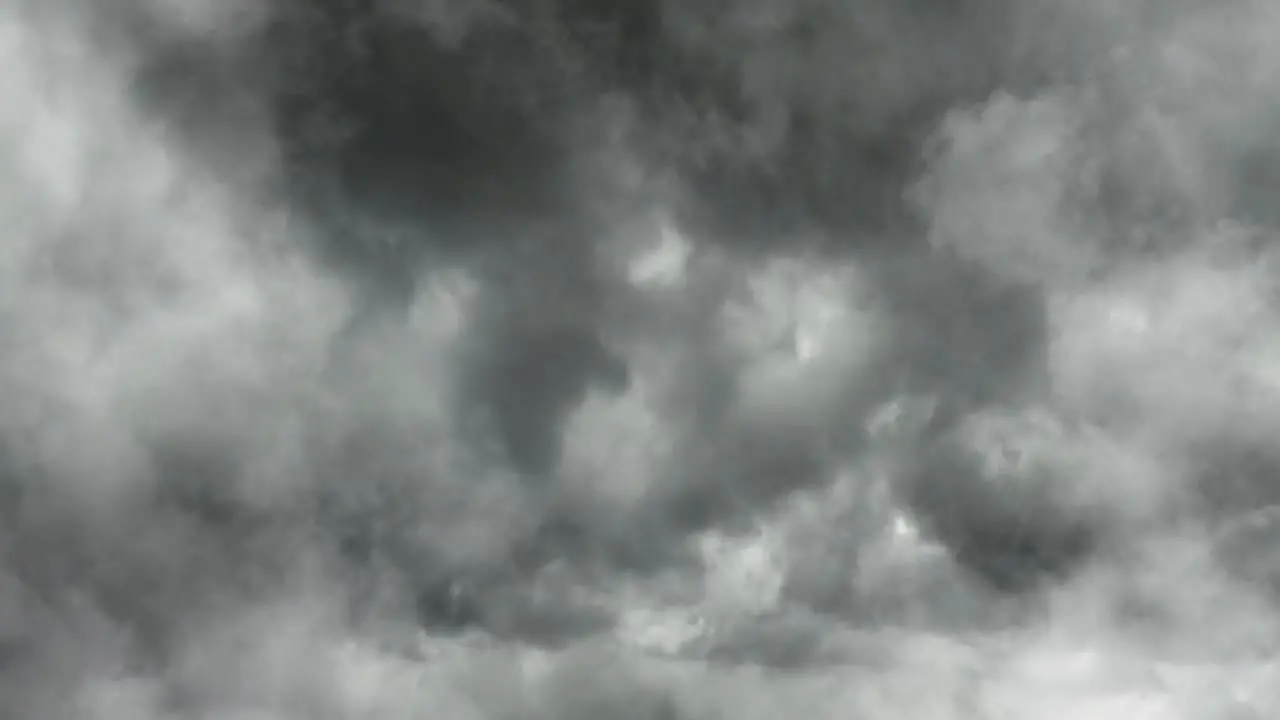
{"x": 651, "y": 360}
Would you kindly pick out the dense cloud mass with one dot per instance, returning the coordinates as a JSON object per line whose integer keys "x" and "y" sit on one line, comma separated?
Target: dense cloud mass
{"x": 645, "y": 359}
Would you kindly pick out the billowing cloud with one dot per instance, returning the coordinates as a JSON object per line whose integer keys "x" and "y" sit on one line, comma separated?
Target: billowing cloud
{"x": 663, "y": 360}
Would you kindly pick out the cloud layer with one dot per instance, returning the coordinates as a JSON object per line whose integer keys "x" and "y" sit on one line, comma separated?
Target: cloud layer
{"x": 669, "y": 360}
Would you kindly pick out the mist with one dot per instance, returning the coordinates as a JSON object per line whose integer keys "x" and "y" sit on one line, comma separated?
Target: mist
{"x": 652, "y": 360}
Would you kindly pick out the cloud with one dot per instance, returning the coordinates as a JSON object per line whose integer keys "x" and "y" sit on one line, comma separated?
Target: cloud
{"x": 497, "y": 361}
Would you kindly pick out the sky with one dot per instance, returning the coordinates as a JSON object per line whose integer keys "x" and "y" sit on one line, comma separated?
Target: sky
{"x": 650, "y": 360}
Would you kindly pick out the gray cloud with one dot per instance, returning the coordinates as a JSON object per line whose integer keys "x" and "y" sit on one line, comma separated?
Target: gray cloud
{"x": 661, "y": 360}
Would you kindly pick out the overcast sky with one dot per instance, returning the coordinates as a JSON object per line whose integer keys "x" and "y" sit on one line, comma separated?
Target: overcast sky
{"x": 665, "y": 361}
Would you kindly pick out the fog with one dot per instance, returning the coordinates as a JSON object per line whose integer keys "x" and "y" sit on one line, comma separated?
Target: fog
{"x": 651, "y": 360}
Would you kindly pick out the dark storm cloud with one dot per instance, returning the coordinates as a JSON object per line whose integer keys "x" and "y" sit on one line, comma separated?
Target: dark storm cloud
{"x": 740, "y": 331}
